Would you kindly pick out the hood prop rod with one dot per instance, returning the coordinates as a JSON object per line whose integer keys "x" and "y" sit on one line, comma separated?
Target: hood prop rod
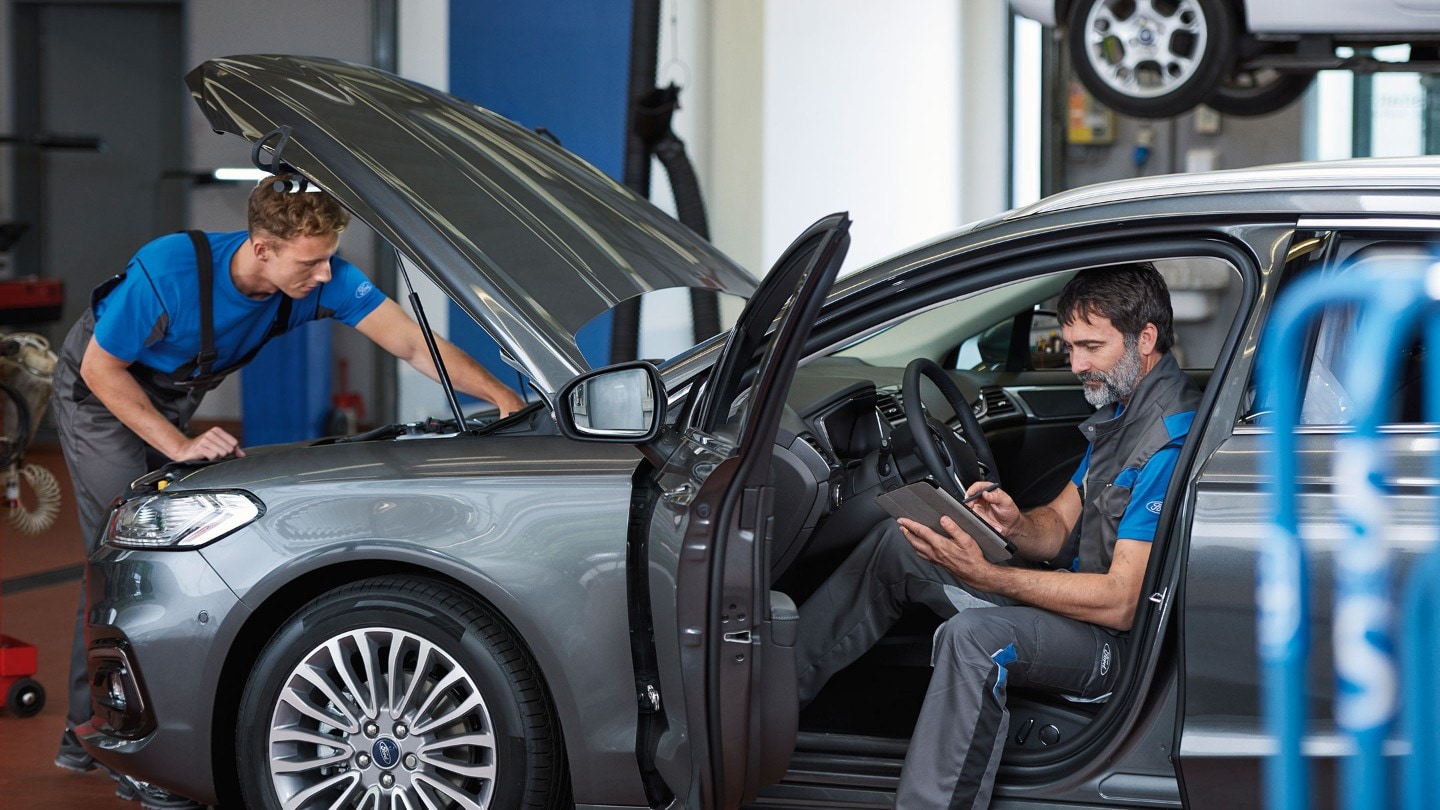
{"x": 430, "y": 343}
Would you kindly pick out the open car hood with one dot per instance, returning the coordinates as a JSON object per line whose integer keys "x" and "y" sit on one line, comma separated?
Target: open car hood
{"x": 531, "y": 240}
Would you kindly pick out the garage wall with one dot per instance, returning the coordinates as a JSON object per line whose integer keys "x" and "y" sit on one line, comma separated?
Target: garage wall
{"x": 340, "y": 28}
{"x": 1186, "y": 143}
{"x": 296, "y": 369}
{"x": 894, "y": 112}
{"x": 7, "y": 118}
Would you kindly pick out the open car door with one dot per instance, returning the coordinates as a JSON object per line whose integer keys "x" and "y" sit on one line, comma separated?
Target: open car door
{"x": 713, "y": 645}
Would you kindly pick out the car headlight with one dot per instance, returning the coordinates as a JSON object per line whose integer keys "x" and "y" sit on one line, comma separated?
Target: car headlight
{"x": 181, "y": 520}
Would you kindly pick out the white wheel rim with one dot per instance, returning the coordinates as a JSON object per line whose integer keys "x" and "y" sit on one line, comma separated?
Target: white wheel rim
{"x": 1144, "y": 48}
{"x": 379, "y": 719}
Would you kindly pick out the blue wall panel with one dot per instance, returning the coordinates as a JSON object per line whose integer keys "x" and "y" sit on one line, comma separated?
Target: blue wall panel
{"x": 285, "y": 390}
{"x": 561, "y": 65}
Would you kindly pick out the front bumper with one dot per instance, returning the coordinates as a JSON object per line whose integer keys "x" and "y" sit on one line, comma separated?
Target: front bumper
{"x": 156, "y": 630}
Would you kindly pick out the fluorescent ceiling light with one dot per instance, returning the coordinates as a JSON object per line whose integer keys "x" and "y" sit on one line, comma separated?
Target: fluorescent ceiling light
{"x": 236, "y": 175}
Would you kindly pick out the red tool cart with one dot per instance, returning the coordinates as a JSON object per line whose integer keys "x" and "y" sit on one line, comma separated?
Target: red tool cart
{"x": 26, "y": 364}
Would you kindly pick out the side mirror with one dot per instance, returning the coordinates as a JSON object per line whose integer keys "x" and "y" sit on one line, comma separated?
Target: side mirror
{"x": 621, "y": 403}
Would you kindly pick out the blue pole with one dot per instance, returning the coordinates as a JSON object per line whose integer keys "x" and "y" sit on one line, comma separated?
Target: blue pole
{"x": 1281, "y": 585}
{"x": 1419, "y": 624}
{"x": 1367, "y": 686}
{"x": 1282, "y": 590}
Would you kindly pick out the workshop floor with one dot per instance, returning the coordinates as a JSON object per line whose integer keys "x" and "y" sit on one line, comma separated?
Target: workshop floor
{"x": 39, "y": 585}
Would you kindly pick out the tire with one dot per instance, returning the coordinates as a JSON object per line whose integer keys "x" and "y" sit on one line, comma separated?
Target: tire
{"x": 322, "y": 725}
{"x": 25, "y": 698}
{"x": 1258, "y": 92}
{"x": 1151, "y": 58}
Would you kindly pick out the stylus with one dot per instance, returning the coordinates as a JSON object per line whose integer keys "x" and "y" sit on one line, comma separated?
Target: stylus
{"x": 969, "y": 498}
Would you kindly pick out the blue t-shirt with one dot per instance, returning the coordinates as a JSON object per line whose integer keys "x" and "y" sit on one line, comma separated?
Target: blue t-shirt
{"x": 153, "y": 316}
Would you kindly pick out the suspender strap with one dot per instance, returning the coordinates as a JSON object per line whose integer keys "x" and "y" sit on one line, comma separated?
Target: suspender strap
{"x": 202, "y": 368}
{"x": 282, "y": 316}
{"x": 205, "y": 266}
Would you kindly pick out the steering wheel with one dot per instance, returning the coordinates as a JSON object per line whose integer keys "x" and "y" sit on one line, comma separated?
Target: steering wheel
{"x": 955, "y": 462}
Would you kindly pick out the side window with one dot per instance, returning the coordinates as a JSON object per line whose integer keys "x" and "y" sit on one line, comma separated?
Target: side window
{"x": 1205, "y": 295}
{"x": 990, "y": 350}
{"x": 987, "y": 351}
{"x": 1047, "y": 350}
{"x": 1325, "y": 400}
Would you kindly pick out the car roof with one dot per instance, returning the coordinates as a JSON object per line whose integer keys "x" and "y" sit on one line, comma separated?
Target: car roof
{"x": 1353, "y": 173}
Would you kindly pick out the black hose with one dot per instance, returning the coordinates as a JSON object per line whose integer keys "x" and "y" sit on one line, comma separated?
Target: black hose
{"x": 14, "y": 448}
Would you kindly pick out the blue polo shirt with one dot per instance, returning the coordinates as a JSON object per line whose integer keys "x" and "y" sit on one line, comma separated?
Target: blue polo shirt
{"x": 153, "y": 316}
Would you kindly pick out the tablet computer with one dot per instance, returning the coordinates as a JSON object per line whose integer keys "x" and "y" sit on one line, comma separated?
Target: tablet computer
{"x": 924, "y": 503}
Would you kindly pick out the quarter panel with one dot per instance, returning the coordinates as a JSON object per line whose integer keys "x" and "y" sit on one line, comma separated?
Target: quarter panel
{"x": 1223, "y": 732}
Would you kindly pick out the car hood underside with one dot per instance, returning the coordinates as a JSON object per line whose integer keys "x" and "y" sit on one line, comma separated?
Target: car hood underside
{"x": 531, "y": 240}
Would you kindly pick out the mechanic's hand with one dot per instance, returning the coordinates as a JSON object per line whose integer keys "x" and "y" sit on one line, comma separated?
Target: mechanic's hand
{"x": 509, "y": 402}
{"x": 211, "y": 445}
{"x": 994, "y": 505}
{"x": 958, "y": 552}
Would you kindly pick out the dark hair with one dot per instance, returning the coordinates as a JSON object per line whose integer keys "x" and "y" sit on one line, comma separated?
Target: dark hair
{"x": 1128, "y": 295}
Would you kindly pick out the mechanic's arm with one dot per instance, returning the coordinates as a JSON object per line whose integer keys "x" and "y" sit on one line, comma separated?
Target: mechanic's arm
{"x": 1107, "y": 599}
{"x": 394, "y": 331}
{"x": 1038, "y": 534}
{"x": 107, "y": 377}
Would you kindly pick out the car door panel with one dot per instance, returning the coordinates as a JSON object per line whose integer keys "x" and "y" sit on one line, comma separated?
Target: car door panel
{"x": 725, "y": 676}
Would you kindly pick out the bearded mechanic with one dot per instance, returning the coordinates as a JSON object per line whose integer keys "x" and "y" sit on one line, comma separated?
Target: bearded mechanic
{"x": 189, "y": 310}
{"x": 1063, "y": 629}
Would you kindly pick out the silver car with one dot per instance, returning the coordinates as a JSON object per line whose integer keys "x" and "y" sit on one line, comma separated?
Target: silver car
{"x": 592, "y": 602}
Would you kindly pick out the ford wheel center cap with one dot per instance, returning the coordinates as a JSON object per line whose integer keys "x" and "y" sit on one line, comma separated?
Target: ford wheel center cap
{"x": 386, "y": 752}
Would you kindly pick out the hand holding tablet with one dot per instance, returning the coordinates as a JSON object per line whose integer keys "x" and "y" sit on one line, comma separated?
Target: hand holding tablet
{"x": 923, "y": 503}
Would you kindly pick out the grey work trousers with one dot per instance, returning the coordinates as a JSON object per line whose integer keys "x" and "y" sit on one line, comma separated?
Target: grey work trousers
{"x": 987, "y": 644}
{"x": 103, "y": 457}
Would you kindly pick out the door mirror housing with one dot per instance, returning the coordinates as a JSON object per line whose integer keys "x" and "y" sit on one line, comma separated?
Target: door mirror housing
{"x": 620, "y": 403}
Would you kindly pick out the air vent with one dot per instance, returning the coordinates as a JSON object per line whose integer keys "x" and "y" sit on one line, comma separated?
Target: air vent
{"x": 891, "y": 407}
{"x": 814, "y": 443}
{"x": 819, "y": 449}
{"x": 997, "y": 403}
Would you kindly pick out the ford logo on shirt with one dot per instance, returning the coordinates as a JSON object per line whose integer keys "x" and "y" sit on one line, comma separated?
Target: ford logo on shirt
{"x": 363, "y": 289}
{"x": 1154, "y": 507}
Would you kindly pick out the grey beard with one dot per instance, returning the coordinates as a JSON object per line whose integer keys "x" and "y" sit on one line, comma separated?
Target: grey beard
{"x": 1118, "y": 384}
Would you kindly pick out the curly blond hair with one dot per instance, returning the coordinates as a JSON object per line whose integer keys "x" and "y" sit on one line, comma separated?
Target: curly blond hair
{"x": 285, "y": 214}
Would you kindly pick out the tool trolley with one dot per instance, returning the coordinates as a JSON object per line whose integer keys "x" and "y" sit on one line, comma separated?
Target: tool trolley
{"x": 26, "y": 365}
